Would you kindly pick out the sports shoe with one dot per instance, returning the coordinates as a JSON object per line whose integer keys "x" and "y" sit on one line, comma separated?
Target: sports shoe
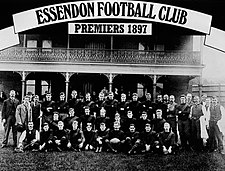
{"x": 3, "y": 145}
{"x": 18, "y": 150}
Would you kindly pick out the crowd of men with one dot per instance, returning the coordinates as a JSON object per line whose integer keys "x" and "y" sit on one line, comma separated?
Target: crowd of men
{"x": 114, "y": 124}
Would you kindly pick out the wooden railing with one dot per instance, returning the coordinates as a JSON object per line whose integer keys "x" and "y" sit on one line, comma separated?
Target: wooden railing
{"x": 100, "y": 56}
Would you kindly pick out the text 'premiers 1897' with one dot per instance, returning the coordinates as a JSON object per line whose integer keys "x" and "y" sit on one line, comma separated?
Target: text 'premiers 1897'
{"x": 110, "y": 28}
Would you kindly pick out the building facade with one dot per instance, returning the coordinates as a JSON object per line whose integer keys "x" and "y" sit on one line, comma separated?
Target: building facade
{"x": 49, "y": 59}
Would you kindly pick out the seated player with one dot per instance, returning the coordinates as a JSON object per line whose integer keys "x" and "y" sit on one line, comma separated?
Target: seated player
{"x": 132, "y": 142}
{"x": 118, "y": 119}
{"x": 101, "y": 136}
{"x": 76, "y": 137}
{"x": 29, "y": 139}
{"x": 54, "y": 123}
{"x": 142, "y": 121}
{"x": 128, "y": 120}
{"x": 60, "y": 138}
{"x": 116, "y": 138}
{"x": 46, "y": 136}
{"x": 86, "y": 118}
{"x": 167, "y": 140}
{"x": 148, "y": 137}
{"x": 158, "y": 122}
{"x": 101, "y": 118}
{"x": 69, "y": 120}
{"x": 89, "y": 135}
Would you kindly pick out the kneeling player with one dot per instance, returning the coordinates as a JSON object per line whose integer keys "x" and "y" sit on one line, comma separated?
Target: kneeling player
{"x": 132, "y": 141}
{"x": 76, "y": 137}
{"x": 29, "y": 139}
{"x": 46, "y": 136}
{"x": 101, "y": 136}
{"x": 116, "y": 138}
{"x": 167, "y": 140}
{"x": 60, "y": 138}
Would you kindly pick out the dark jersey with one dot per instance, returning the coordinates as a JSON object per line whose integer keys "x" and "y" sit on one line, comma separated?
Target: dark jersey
{"x": 59, "y": 134}
{"x": 122, "y": 109}
{"x": 76, "y": 105}
{"x": 135, "y": 106}
{"x": 158, "y": 124}
{"x": 140, "y": 124}
{"x": 103, "y": 134}
{"x": 89, "y": 136}
{"x": 48, "y": 104}
{"x": 149, "y": 107}
{"x": 62, "y": 107}
{"x": 167, "y": 138}
{"x": 30, "y": 135}
{"x": 116, "y": 134}
{"x": 183, "y": 111}
{"x": 134, "y": 136}
{"x": 148, "y": 137}
{"x": 100, "y": 120}
{"x": 110, "y": 107}
{"x": 75, "y": 135}
{"x": 45, "y": 136}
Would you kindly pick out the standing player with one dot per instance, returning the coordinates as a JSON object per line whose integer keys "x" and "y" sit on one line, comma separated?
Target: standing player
{"x": 8, "y": 117}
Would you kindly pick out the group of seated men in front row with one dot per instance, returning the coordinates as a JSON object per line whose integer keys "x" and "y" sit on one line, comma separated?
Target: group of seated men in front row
{"x": 110, "y": 125}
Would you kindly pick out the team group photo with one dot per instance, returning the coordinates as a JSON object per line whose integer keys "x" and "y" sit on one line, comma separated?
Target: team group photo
{"x": 112, "y": 85}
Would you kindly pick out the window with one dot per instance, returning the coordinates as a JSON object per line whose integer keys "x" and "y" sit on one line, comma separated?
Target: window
{"x": 31, "y": 45}
{"x": 140, "y": 90}
{"x": 46, "y": 45}
{"x": 45, "y": 86}
{"x": 30, "y": 86}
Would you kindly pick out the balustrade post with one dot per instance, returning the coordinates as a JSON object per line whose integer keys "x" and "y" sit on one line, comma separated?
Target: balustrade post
{"x": 23, "y": 83}
{"x": 67, "y": 76}
{"x": 154, "y": 87}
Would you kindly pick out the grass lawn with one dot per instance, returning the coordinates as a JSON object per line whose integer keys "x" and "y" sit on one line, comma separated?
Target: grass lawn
{"x": 106, "y": 161}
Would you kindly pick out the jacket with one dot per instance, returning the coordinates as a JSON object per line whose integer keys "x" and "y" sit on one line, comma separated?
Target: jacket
{"x": 9, "y": 108}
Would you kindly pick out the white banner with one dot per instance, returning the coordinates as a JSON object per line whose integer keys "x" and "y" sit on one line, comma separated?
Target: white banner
{"x": 110, "y": 28}
{"x": 216, "y": 39}
{"x": 116, "y": 9}
{"x": 8, "y": 38}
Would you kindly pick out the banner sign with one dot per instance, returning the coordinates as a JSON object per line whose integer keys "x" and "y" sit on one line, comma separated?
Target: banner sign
{"x": 216, "y": 39}
{"x": 110, "y": 28}
{"x": 113, "y": 9}
{"x": 8, "y": 38}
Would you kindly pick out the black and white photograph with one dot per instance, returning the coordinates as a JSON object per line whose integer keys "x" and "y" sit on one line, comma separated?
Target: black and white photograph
{"x": 97, "y": 85}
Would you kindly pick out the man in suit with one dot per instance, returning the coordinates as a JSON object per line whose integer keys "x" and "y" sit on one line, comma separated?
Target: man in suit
{"x": 8, "y": 117}
{"x": 23, "y": 116}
